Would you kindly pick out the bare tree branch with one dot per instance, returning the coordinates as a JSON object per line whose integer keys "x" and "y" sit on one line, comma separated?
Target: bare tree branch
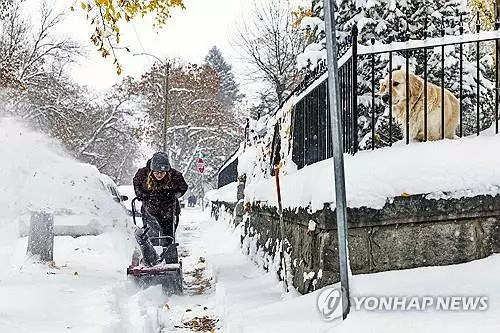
{"x": 269, "y": 43}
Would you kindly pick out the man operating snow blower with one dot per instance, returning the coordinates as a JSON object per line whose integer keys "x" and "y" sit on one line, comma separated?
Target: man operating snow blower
{"x": 158, "y": 186}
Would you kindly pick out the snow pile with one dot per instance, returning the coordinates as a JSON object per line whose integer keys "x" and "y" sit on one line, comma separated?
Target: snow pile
{"x": 311, "y": 22}
{"x": 301, "y": 314}
{"x": 459, "y": 168}
{"x": 37, "y": 175}
{"x": 312, "y": 55}
{"x": 76, "y": 295}
{"x": 226, "y": 193}
{"x": 247, "y": 160}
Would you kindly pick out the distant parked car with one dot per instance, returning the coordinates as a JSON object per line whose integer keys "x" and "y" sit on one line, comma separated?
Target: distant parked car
{"x": 88, "y": 207}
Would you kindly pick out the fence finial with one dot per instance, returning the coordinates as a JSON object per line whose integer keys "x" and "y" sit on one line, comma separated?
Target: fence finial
{"x": 478, "y": 22}
{"x": 426, "y": 23}
{"x": 461, "y": 29}
{"x": 355, "y": 32}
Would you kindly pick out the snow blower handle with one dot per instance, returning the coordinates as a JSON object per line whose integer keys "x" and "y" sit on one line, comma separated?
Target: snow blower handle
{"x": 134, "y": 210}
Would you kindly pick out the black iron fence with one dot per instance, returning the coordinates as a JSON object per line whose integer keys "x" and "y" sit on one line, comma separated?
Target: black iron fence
{"x": 312, "y": 122}
{"x": 465, "y": 65}
{"x": 228, "y": 173}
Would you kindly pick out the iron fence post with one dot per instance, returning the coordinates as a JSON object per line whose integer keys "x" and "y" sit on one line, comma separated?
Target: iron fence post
{"x": 478, "y": 91}
{"x": 390, "y": 95}
{"x": 497, "y": 63}
{"x": 425, "y": 80}
{"x": 407, "y": 92}
{"x": 354, "y": 89}
{"x": 373, "y": 95}
{"x": 442, "y": 80}
{"x": 461, "y": 76}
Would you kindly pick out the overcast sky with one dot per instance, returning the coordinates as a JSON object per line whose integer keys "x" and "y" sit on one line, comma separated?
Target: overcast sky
{"x": 189, "y": 34}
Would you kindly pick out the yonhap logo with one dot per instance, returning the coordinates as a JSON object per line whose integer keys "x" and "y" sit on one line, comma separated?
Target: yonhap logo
{"x": 330, "y": 302}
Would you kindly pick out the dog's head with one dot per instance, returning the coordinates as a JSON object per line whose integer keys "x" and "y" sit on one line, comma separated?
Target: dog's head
{"x": 397, "y": 87}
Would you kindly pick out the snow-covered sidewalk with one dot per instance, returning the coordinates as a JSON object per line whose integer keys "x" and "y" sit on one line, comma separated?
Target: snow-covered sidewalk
{"x": 253, "y": 301}
{"x": 224, "y": 291}
{"x": 72, "y": 296}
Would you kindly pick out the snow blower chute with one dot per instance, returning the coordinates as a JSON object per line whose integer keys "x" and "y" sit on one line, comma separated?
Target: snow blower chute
{"x": 155, "y": 265}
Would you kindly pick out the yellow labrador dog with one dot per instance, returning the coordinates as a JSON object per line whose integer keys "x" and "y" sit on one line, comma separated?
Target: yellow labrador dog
{"x": 416, "y": 105}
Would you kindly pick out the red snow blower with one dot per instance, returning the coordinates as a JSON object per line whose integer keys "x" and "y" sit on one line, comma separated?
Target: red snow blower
{"x": 155, "y": 265}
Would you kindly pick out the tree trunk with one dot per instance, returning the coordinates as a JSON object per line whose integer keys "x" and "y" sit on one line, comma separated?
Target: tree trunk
{"x": 41, "y": 236}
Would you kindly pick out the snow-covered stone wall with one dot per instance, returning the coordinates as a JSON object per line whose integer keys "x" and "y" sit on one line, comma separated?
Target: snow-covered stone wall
{"x": 411, "y": 231}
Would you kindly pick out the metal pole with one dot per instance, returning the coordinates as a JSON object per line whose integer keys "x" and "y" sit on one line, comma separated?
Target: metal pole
{"x": 338, "y": 157}
{"x": 166, "y": 66}
{"x": 165, "y": 101}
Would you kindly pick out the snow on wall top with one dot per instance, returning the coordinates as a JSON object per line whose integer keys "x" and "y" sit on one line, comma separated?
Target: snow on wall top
{"x": 373, "y": 177}
{"x": 227, "y": 193}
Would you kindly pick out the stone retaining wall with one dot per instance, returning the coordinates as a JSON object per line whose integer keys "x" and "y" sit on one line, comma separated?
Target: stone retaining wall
{"x": 409, "y": 232}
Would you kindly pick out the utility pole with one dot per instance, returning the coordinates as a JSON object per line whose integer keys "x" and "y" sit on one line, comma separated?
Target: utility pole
{"x": 165, "y": 104}
{"x": 166, "y": 73}
{"x": 338, "y": 151}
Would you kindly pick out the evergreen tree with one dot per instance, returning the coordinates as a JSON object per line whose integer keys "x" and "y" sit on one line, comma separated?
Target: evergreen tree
{"x": 448, "y": 18}
{"x": 228, "y": 92}
{"x": 377, "y": 22}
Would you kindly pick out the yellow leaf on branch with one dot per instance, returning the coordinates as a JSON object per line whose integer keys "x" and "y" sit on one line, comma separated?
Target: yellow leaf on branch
{"x": 109, "y": 16}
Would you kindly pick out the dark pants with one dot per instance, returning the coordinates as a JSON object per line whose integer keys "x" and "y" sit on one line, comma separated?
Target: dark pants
{"x": 160, "y": 225}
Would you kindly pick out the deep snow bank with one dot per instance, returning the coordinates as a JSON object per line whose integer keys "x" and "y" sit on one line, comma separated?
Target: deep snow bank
{"x": 37, "y": 174}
